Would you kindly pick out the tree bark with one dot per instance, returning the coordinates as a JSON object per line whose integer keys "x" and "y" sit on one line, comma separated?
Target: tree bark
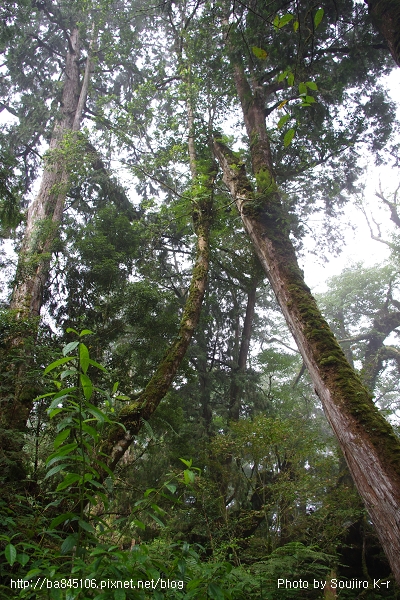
{"x": 45, "y": 212}
{"x": 369, "y": 444}
{"x": 386, "y": 16}
{"x": 43, "y": 222}
{"x": 133, "y": 414}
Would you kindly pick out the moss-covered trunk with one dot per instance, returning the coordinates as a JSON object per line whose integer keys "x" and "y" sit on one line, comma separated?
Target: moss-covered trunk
{"x": 45, "y": 212}
{"x": 371, "y": 449}
{"x": 133, "y": 414}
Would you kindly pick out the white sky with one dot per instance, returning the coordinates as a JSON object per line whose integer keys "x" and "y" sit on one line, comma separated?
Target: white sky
{"x": 358, "y": 244}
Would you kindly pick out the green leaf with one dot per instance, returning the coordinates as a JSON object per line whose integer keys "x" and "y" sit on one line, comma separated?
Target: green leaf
{"x": 61, "y": 452}
{"x": 309, "y": 99}
{"x": 55, "y": 412}
{"x": 87, "y": 386}
{"x": 97, "y": 365}
{"x": 215, "y": 592}
{"x": 61, "y": 438}
{"x": 282, "y": 76}
{"x": 70, "y": 330}
{"x": 23, "y": 559}
{"x": 290, "y": 79}
{"x": 68, "y": 372}
{"x": 69, "y": 479}
{"x": 105, "y": 468}
{"x": 171, "y": 487}
{"x": 11, "y": 554}
{"x": 56, "y": 401}
{"x": 285, "y": 20}
{"x": 69, "y": 347}
{"x": 189, "y": 476}
{"x": 90, "y": 431}
{"x": 55, "y": 470}
{"x": 139, "y": 524}
{"x": 84, "y": 357}
{"x": 115, "y": 387}
{"x": 312, "y": 85}
{"x": 85, "y": 332}
{"x": 302, "y": 89}
{"x": 60, "y": 519}
{"x": 86, "y": 526}
{"x": 97, "y": 413}
{"x": 188, "y": 463}
{"x": 283, "y": 120}
{"x": 158, "y": 509}
{"x": 289, "y": 135}
{"x": 68, "y": 543}
{"x": 193, "y": 584}
{"x": 318, "y": 17}
{"x": 259, "y": 52}
{"x": 43, "y": 396}
{"x": 276, "y": 21}
{"x": 64, "y": 392}
{"x": 32, "y": 573}
{"x": 57, "y": 363}
{"x": 156, "y": 519}
{"x": 295, "y": 25}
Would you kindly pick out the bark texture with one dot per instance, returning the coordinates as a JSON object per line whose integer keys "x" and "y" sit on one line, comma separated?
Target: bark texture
{"x": 369, "y": 445}
{"x": 132, "y": 415}
{"x": 43, "y": 221}
{"x": 386, "y": 16}
{"x": 45, "y": 212}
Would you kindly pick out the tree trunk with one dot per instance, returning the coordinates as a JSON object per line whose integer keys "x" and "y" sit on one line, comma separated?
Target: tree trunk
{"x": 132, "y": 415}
{"x": 371, "y": 448}
{"x": 43, "y": 222}
{"x": 236, "y": 386}
{"x": 386, "y": 16}
{"x": 45, "y": 212}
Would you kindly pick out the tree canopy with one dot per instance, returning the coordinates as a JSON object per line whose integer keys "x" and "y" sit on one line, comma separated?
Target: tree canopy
{"x": 175, "y": 405}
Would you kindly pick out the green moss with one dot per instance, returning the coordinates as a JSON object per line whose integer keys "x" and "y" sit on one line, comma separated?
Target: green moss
{"x": 266, "y": 182}
{"x": 348, "y": 391}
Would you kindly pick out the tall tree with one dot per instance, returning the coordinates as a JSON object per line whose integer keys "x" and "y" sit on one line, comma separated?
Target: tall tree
{"x": 43, "y": 220}
{"x": 53, "y": 37}
{"x": 369, "y": 445}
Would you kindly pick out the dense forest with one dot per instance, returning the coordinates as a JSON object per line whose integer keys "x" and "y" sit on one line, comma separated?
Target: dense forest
{"x": 180, "y": 417}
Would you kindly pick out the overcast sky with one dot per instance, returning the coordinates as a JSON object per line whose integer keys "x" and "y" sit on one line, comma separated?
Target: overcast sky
{"x": 358, "y": 243}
